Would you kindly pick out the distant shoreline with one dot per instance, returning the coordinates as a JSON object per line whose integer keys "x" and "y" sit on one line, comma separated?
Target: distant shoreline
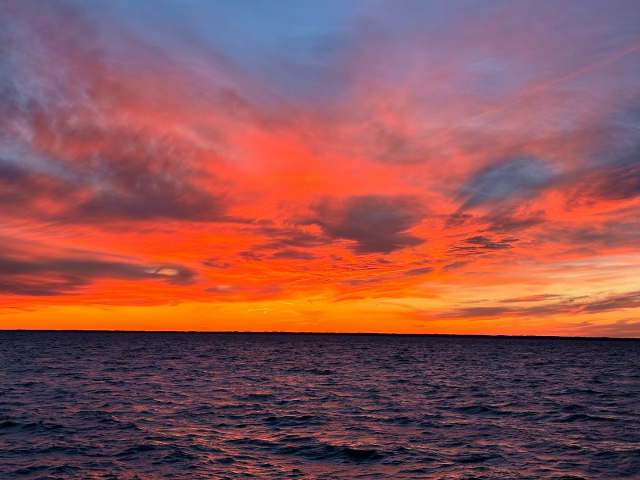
{"x": 346, "y": 334}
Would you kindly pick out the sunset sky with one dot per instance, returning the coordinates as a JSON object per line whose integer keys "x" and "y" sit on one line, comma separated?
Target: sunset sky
{"x": 382, "y": 166}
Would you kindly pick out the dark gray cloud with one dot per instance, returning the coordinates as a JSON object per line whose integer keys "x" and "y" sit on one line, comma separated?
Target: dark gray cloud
{"x": 215, "y": 262}
{"x": 114, "y": 169}
{"x": 143, "y": 175}
{"x": 110, "y": 188}
{"x": 614, "y": 302}
{"x": 480, "y": 244}
{"x": 509, "y": 221}
{"x": 290, "y": 236}
{"x": 22, "y": 190}
{"x": 354, "y": 282}
{"x": 611, "y": 233}
{"x": 11, "y": 173}
{"x": 626, "y": 327}
{"x": 293, "y": 254}
{"x": 619, "y": 183}
{"x": 137, "y": 176}
{"x": 455, "y": 265}
{"x": 457, "y": 219}
{"x": 248, "y": 255}
{"x": 58, "y": 276}
{"x": 612, "y": 183}
{"x": 179, "y": 203}
{"x": 477, "y": 240}
{"x": 531, "y": 298}
{"x": 419, "y": 271}
{"x": 375, "y": 223}
{"x": 40, "y": 288}
{"x": 485, "y": 242}
{"x": 511, "y": 178}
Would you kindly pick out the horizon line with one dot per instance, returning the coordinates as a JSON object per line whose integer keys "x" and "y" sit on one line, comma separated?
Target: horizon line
{"x": 289, "y": 332}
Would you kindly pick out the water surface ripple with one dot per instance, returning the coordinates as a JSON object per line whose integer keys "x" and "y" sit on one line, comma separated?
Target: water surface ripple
{"x": 116, "y": 405}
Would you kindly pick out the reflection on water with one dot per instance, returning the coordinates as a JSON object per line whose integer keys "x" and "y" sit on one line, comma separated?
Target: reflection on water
{"x": 193, "y": 405}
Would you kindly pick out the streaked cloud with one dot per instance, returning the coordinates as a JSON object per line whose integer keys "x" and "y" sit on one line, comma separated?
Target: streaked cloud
{"x": 375, "y": 223}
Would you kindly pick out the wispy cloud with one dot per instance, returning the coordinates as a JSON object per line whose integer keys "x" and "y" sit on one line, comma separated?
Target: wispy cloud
{"x": 568, "y": 306}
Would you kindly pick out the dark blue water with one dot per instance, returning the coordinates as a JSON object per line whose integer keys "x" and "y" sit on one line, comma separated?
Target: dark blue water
{"x": 110, "y": 405}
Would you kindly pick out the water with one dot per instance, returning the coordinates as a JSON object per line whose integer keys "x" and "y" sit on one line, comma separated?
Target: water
{"x": 121, "y": 405}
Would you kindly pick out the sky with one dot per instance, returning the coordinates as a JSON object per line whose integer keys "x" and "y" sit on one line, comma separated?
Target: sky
{"x": 443, "y": 166}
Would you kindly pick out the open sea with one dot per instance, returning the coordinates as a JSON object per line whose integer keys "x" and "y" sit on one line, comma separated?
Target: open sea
{"x": 125, "y": 405}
